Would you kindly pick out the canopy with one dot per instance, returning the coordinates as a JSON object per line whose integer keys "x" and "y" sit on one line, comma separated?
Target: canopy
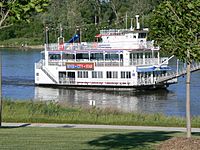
{"x": 153, "y": 68}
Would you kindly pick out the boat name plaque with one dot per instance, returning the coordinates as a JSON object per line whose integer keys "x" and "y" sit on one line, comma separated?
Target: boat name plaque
{"x": 79, "y": 66}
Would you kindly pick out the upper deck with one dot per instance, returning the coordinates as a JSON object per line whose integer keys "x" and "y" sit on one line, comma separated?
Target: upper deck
{"x": 135, "y": 45}
{"x": 121, "y": 39}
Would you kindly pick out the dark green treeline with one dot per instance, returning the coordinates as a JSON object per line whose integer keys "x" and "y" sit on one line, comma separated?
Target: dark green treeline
{"x": 89, "y": 16}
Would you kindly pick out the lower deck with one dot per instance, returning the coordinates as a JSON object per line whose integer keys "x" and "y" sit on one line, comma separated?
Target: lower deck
{"x": 86, "y": 74}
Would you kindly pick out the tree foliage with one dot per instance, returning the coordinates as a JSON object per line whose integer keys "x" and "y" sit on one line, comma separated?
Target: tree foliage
{"x": 175, "y": 27}
{"x": 13, "y": 10}
{"x": 88, "y": 15}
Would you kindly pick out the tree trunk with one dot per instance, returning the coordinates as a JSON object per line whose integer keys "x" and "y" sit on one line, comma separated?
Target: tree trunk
{"x": 115, "y": 12}
{"x": 188, "y": 116}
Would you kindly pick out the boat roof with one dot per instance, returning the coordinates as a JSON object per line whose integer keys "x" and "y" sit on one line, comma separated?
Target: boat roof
{"x": 115, "y": 31}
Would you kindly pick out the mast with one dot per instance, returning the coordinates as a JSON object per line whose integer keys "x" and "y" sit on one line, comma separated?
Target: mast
{"x": 126, "y": 20}
{"x": 61, "y": 31}
{"x": 137, "y": 22}
{"x": 131, "y": 24}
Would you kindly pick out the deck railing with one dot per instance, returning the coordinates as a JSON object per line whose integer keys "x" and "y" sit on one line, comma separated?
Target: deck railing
{"x": 95, "y": 45}
{"x": 181, "y": 72}
{"x": 135, "y": 62}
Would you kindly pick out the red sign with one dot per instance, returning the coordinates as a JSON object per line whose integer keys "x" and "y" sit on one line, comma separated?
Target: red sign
{"x": 79, "y": 66}
{"x": 61, "y": 47}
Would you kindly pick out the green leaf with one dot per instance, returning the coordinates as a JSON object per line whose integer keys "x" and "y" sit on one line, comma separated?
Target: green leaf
{"x": 1, "y": 4}
{"x": 190, "y": 6}
{"x": 18, "y": 16}
{"x": 45, "y": 5}
{"x": 38, "y": 9}
{"x": 32, "y": 4}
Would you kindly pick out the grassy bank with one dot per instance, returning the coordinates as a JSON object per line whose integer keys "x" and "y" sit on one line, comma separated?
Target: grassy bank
{"x": 32, "y": 43}
{"x": 35, "y": 112}
{"x": 24, "y": 138}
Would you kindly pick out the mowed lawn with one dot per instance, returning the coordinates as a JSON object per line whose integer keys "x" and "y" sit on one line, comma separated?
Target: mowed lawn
{"x": 38, "y": 138}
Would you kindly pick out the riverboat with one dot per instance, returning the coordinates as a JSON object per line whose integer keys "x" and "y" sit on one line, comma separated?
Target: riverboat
{"x": 122, "y": 59}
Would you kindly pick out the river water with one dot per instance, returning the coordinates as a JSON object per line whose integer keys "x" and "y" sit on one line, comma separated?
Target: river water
{"x": 18, "y": 84}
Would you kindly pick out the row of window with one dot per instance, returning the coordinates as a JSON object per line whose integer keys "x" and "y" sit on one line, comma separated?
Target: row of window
{"x": 93, "y": 56}
{"x": 109, "y": 74}
{"x": 100, "y": 56}
{"x": 141, "y": 55}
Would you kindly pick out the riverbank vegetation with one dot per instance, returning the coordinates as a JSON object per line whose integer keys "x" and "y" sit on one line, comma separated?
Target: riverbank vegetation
{"x": 89, "y": 16}
{"x": 50, "y": 112}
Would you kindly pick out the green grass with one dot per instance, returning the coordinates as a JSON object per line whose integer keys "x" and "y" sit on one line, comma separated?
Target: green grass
{"x": 24, "y": 138}
{"x": 41, "y": 112}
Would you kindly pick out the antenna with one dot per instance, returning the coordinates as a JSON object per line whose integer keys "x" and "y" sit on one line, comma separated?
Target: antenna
{"x": 126, "y": 20}
{"x": 137, "y": 22}
{"x": 61, "y": 30}
{"x": 131, "y": 23}
{"x": 46, "y": 35}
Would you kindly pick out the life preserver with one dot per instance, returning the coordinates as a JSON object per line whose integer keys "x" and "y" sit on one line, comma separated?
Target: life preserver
{"x": 94, "y": 45}
{"x": 61, "y": 47}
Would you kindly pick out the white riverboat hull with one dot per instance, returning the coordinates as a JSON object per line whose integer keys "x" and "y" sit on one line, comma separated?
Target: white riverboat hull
{"x": 123, "y": 60}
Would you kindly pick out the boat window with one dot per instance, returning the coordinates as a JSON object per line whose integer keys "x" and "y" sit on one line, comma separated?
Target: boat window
{"x": 96, "y": 56}
{"x": 139, "y": 55}
{"x": 70, "y": 74}
{"x": 68, "y": 56}
{"x": 148, "y": 55}
{"x": 142, "y": 35}
{"x": 62, "y": 74}
{"x": 125, "y": 74}
{"x": 155, "y": 54}
{"x": 54, "y": 56}
{"x": 115, "y": 74}
{"x": 82, "y": 56}
{"x": 131, "y": 56}
{"x": 82, "y": 74}
{"x": 94, "y": 74}
{"x": 121, "y": 56}
{"x": 112, "y": 56}
{"x": 108, "y": 74}
{"x": 100, "y": 74}
{"x": 97, "y": 74}
{"x": 111, "y": 74}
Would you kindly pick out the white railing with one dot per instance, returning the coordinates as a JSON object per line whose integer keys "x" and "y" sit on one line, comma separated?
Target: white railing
{"x": 181, "y": 72}
{"x": 95, "y": 45}
{"x": 40, "y": 64}
{"x": 67, "y": 81}
{"x": 145, "y": 81}
{"x": 134, "y": 62}
{"x": 148, "y": 61}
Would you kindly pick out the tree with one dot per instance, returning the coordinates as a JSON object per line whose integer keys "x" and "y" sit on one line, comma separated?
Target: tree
{"x": 174, "y": 26}
{"x": 17, "y": 10}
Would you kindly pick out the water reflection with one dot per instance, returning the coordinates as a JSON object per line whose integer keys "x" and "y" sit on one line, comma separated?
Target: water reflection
{"x": 153, "y": 101}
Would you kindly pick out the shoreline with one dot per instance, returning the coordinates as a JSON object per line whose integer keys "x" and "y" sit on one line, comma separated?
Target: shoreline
{"x": 27, "y": 47}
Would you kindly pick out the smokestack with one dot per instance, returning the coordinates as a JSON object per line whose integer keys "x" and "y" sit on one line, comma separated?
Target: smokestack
{"x": 137, "y": 22}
